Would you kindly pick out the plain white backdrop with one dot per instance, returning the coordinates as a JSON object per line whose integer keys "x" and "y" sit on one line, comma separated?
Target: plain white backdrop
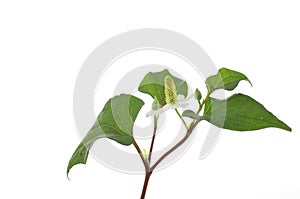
{"x": 42, "y": 48}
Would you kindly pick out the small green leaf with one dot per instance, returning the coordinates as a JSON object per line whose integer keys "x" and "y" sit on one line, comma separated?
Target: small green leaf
{"x": 197, "y": 95}
{"x": 115, "y": 122}
{"x": 240, "y": 113}
{"x": 154, "y": 85}
{"x": 155, "y": 104}
{"x": 191, "y": 114}
{"x": 225, "y": 79}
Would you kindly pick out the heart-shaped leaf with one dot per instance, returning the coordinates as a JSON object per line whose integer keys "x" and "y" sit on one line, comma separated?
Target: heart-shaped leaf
{"x": 154, "y": 85}
{"x": 225, "y": 79}
{"x": 115, "y": 122}
{"x": 240, "y": 113}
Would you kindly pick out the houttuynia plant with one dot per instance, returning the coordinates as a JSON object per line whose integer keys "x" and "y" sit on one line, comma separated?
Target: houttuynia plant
{"x": 238, "y": 112}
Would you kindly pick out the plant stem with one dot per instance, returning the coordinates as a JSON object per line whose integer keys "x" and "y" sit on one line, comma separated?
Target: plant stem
{"x": 188, "y": 133}
{"x": 181, "y": 118}
{"x": 149, "y": 169}
{"x": 148, "y": 173}
{"x": 153, "y": 138}
{"x": 147, "y": 177}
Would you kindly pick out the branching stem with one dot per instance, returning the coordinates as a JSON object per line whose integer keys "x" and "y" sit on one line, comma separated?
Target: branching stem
{"x": 149, "y": 169}
{"x": 145, "y": 162}
{"x": 187, "y": 135}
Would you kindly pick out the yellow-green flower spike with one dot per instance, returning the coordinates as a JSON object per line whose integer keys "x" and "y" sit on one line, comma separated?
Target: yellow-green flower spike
{"x": 170, "y": 90}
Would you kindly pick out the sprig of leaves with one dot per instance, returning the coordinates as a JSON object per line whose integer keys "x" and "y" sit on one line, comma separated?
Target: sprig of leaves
{"x": 238, "y": 112}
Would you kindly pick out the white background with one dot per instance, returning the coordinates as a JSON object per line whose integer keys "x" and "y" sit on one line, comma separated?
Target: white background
{"x": 42, "y": 48}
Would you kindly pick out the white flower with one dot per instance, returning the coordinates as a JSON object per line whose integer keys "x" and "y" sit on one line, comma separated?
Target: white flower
{"x": 181, "y": 103}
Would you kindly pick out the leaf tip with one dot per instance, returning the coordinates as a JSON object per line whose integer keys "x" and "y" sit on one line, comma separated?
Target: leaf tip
{"x": 249, "y": 82}
{"x": 68, "y": 176}
{"x": 68, "y": 171}
{"x": 284, "y": 126}
{"x": 288, "y": 128}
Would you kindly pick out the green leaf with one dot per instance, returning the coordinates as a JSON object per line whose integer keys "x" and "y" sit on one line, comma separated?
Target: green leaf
{"x": 225, "y": 79}
{"x": 240, "y": 113}
{"x": 115, "y": 122}
{"x": 154, "y": 85}
{"x": 190, "y": 114}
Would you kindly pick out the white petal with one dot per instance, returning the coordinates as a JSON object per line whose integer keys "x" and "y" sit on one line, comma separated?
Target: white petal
{"x": 156, "y": 112}
{"x": 171, "y": 106}
{"x": 163, "y": 109}
{"x": 183, "y": 104}
{"x": 180, "y": 97}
